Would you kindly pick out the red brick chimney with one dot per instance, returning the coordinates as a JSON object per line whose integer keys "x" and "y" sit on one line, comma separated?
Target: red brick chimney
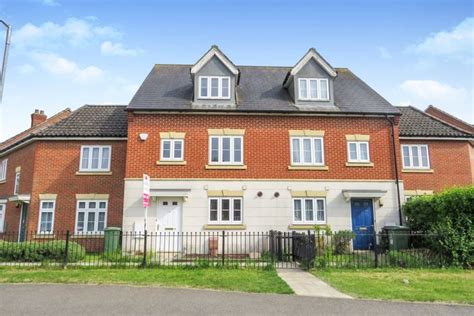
{"x": 38, "y": 117}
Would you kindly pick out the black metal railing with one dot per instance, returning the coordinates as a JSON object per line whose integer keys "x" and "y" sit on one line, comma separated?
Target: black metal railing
{"x": 261, "y": 250}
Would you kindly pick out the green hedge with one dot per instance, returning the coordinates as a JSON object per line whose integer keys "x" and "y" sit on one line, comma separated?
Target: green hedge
{"x": 35, "y": 251}
{"x": 450, "y": 216}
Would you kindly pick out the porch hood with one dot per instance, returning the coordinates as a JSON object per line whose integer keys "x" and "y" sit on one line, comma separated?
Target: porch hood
{"x": 170, "y": 192}
{"x": 22, "y": 198}
{"x": 369, "y": 194}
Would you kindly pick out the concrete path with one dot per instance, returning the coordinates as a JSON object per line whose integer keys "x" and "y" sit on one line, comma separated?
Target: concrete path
{"x": 305, "y": 284}
{"x": 71, "y": 300}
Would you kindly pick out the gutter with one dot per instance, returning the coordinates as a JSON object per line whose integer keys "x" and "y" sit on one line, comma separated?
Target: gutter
{"x": 394, "y": 147}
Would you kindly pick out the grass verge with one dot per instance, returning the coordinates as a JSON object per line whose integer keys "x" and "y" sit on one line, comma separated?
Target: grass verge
{"x": 437, "y": 285}
{"x": 254, "y": 281}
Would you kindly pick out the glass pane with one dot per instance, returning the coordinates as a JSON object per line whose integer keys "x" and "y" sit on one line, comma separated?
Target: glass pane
{"x": 414, "y": 153}
{"x": 296, "y": 150}
{"x": 214, "y": 87}
{"x": 313, "y": 89}
{"x": 105, "y": 158}
{"x": 303, "y": 91}
{"x": 90, "y": 221}
{"x": 95, "y": 158}
{"x": 80, "y": 221}
{"x": 237, "y": 149}
{"x": 101, "y": 224}
{"x": 318, "y": 151}
{"x": 308, "y": 206}
{"x": 226, "y": 149}
{"x": 102, "y": 204}
{"x": 424, "y": 156}
{"x": 178, "y": 149}
{"x": 297, "y": 210}
{"x": 215, "y": 149}
{"x": 82, "y": 204}
{"x": 166, "y": 149}
{"x": 307, "y": 150}
{"x": 225, "y": 87}
{"x": 225, "y": 210}
{"x": 364, "y": 151}
{"x": 406, "y": 156}
{"x": 320, "y": 214}
{"x": 92, "y": 205}
{"x": 204, "y": 87}
{"x": 324, "y": 93}
{"x": 213, "y": 210}
{"x": 237, "y": 210}
{"x": 85, "y": 158}
{"x": 353, "y": 151}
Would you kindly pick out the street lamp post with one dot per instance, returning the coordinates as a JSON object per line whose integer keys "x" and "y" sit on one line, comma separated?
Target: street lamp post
{"x": 5, "y": 56}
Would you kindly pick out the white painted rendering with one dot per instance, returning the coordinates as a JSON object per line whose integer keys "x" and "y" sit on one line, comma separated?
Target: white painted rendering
{"x": 259, "y": 213}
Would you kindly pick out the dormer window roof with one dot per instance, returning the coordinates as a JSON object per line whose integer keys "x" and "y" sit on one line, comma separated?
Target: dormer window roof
{"x": 214, "y": 51}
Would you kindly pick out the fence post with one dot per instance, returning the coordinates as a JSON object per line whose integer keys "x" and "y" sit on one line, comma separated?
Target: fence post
{"x": 66, "y": 250}
{"x": 279, "y": 247}
{"x": 376, "y": 261}
{"x": 223, "y": 248}
{"x": 144, "y": 250}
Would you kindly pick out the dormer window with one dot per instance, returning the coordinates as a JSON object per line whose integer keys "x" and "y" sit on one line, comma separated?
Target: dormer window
{"x": 312, "y": 89}
{"x": 214, "y": 87}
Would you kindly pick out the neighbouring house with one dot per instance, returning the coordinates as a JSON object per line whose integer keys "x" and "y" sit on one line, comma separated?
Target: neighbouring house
{"x": 255, "y": 148}
{"x": 435, "y": 154}
{"x": 64, "y": 173}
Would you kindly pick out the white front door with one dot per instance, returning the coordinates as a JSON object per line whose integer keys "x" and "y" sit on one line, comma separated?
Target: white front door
{"x": 168, "y": 224}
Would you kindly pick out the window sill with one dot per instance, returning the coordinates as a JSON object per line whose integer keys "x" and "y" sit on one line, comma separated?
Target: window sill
{"x": 417, "y": 170}
{"x": 360, "y": 164}
{"x": 301, "y": 227}
{"x": 44, "y": 236}
{"x": 232, "y": 167}
{"x": 225, "y": 227}
{"x": 318, "y": 168}
{"x": 87, "y": 236}
{"x": 93, "y": 173}
{"x": 3, "y": 181}
{"x": 170, "y": 163}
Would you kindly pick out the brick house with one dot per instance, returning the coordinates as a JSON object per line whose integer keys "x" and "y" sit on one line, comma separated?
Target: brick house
{"x": 435, "y": 154}
{"x": 65, "y": 173}
{"x": 254, "y": 148}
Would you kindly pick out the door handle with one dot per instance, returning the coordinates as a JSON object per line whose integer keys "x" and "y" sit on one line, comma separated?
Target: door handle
{"x": 363, "y": 228}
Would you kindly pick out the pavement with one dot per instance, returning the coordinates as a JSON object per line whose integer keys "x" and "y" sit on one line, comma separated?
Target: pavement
{"x": 48, "y": 299}
{"x": 306, "y": 284}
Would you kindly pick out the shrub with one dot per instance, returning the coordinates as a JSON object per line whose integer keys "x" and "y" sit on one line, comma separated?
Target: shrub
{"x": 35, "y": 251}
{"x": 449, "y": 216}
{"x": 342, "y": 241}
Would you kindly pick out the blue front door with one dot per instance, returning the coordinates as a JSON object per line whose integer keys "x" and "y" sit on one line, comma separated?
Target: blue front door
{"x": 362, "y": 223}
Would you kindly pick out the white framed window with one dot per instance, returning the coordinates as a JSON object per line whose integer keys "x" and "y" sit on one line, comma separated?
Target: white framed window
{"x": 91, "y": 216}
{"x": 214, "y": 87}
{"x": 225, "y": 210}
{"x": 307, "y": 151}
{"x": 3, "y": 169}
{"x": 415, "y": 157}
{"x": 16, "y": 188}
{"x": 2, "y": 217}
{"x": 95, "y": 158}
{"x": 309, "y": 211}
{"x": 358, "y": 151}
{"x": 227, "y": 150}
{"x": 46, "y": 216}
{"x": 172, "y": 149}
{"x": 313, "y": 89}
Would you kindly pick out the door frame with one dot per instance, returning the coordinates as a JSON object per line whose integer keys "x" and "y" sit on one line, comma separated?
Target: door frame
{"x": 374, "y": 221}
{"x": 22, "y": 208}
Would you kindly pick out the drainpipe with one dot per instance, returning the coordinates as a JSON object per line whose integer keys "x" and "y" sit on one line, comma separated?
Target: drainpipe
{"x": 394, "y": 147}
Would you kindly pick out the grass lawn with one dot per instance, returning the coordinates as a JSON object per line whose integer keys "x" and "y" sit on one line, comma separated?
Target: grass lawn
{"x": 255, "y": 281}
{"x": 438, "y": 285}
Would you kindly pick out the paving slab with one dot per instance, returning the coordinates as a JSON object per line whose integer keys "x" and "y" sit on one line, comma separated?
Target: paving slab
{"x": 306, "y": 284}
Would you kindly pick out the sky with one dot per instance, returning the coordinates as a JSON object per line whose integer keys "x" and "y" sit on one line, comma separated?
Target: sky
{"x": 71, "y": 53}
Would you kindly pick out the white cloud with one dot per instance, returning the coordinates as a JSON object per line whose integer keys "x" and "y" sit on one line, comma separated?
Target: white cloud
{"x": 454, "y": 100}
{"x": 384, "y": 53}
{"x": 26, "y": 69}
{"x": 57, "y": 65}
{"x": 456, "y": 43}
{"x": 108, "y": 48}
{"x": 74, "y": 31}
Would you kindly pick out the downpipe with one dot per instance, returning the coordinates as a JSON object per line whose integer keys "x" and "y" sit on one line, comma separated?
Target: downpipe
{"x": 394, "y": 148}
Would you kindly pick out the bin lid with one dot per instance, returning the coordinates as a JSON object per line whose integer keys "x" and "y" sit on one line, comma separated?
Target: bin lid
{"x": 113, "y": 229}
{"x": 396, "y": 227}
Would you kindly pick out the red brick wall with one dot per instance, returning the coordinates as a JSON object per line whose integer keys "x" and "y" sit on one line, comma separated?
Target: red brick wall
{"x": 24, "y": 158}
{"x": 450, "y": 162}
{"x": 266, "y": 146}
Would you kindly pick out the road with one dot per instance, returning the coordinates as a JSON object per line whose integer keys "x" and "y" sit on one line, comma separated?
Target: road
{"x": 42, "y": 299}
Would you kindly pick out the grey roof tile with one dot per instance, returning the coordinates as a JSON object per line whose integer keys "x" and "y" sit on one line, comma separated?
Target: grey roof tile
{"x": 169, "y": 87}
{"x": 414, "y": 122}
